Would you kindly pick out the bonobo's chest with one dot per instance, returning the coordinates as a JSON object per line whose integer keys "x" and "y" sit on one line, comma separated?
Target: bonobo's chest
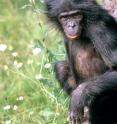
{"x": 87, "y": 63}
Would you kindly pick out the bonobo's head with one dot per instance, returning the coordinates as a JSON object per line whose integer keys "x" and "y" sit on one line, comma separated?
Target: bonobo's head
{"x": 71, "y": 23}
{"x": 69, "y": 15}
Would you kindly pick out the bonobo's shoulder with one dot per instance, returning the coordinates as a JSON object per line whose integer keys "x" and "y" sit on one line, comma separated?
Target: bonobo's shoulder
{"x": 105, "y": 19}
{"x": 110, "y": 22}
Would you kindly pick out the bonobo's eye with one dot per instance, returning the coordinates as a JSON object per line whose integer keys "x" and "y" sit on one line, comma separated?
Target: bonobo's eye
{"x": 63, "y": 18}
{"x": 77, "y": 16}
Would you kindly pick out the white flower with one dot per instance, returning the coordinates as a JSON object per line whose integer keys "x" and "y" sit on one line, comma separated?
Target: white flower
{"x": 20, "y": 98}
{"x": 7, "y": 107}
{"x": 48, "y": 65}
{"x": 8, "y": 122}
{"x": 18, "y": 65}
{"x": 38, "y": 77}
{"x": 3, "y": 47}
{"x": 14, "y": 54}
{"x": 31, "y": 113}
{"x": 36, "y": 51}
{"x": 15, "y": 62}
{"x": 15, "y": 107}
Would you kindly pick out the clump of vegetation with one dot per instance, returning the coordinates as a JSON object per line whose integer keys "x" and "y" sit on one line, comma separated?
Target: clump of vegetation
{"x": 29, "y": 93}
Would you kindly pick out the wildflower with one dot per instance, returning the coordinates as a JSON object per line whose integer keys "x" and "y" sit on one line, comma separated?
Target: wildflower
{"x": 18, "y": 65}
{"x": 8, "y": 122}
{"x": 15, "y": 107}
{"x": 14, "y": 54}
{"x": 31, "y": 113}
{"x": 3, "y": 47}
{"x": 48, "y": 65}
{"x": 20, "y": 98}
{"x": 38, "y": 77}
{"x": 36, "y": 51}
{"x": 15, "y": 62}
{"x": 7, "y": 107}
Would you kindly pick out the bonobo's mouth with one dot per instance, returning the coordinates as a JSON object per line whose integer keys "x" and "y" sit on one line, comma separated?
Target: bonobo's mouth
{"x": 72, "y": 37}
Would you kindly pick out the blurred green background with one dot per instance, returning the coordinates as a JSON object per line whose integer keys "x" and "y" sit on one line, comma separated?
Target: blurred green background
{"x": 29, "y": 92}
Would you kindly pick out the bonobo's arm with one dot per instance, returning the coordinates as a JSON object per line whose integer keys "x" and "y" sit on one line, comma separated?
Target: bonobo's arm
{"x": 88, "y": 91}
{"x": 103, "y": 35}
{"x": 65, "y": 76}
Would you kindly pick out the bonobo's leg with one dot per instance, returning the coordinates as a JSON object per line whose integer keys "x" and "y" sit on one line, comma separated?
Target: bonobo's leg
{"x": 64, "y": 76}
{"x": 104, "y": 108}
{"x": 100, "y": 96}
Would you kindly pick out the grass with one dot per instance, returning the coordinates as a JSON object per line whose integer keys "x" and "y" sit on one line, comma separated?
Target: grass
{"x": 29, "y": 92}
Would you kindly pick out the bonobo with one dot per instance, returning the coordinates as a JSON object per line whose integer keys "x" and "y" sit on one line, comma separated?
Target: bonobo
{"x": 89, "y": 74}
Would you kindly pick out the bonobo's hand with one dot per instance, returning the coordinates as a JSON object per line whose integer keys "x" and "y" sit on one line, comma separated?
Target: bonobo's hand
{"x": 78, "y": 110}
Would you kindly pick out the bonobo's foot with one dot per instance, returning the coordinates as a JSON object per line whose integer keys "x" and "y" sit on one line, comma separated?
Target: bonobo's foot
{"x": 78, "y": 110}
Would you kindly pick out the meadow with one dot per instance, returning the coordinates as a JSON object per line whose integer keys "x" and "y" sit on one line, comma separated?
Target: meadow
{"x": 29, "y": 92}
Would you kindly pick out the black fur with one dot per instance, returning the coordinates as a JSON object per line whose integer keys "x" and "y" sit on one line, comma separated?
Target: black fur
{"x": 95, "y": 85}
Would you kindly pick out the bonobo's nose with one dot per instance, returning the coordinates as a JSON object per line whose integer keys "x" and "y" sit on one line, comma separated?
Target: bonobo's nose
{"x": 71, "y": 24}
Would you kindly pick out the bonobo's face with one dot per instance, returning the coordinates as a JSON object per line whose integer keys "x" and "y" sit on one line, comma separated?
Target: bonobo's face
{"x": 71, "y": 24}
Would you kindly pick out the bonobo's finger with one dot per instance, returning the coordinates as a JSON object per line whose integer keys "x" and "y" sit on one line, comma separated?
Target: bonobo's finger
{"x": 74, "y": 121}
{"x": 86, "y": 113}
{"x": 72, "y": 118}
